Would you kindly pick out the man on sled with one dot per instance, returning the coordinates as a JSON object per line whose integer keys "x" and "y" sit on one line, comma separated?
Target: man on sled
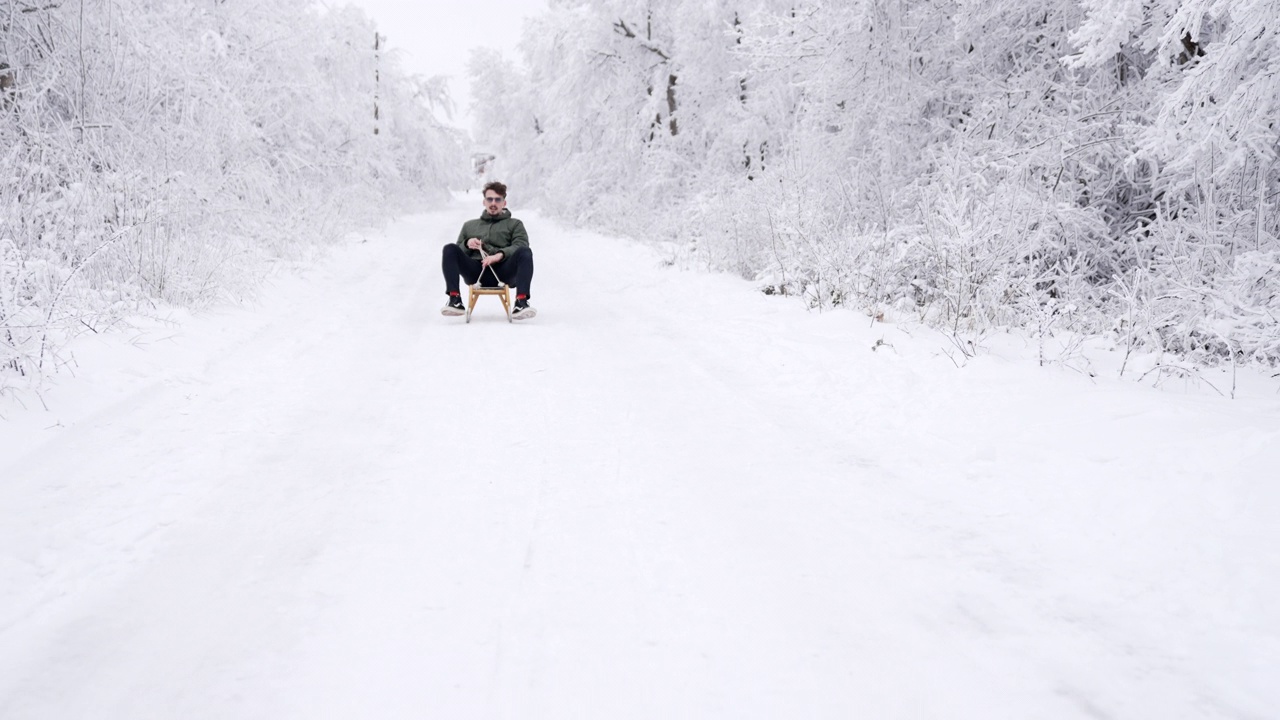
{"x": 490, "y": 249}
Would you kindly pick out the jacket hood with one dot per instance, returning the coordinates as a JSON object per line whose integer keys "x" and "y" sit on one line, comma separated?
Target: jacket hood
{"x": 495, "y": 218}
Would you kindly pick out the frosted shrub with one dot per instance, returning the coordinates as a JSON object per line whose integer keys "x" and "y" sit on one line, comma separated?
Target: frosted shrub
{"x": 1057, "y": 165}
{"x": 166, "y": 153}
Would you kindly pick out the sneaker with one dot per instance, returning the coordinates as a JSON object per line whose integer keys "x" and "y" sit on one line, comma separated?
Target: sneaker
{"x": 454, "y": 307}
{"x": 523, "y": 310}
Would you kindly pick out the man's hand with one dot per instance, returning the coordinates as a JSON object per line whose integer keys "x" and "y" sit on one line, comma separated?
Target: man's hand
{"x": 475, "y": 243}
{"x": 488, "y": 260}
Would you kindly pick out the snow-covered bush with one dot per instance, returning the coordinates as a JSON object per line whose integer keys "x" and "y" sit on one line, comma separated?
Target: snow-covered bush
{"x": 1049, "y": 165}
{"x": 166, "y": 152}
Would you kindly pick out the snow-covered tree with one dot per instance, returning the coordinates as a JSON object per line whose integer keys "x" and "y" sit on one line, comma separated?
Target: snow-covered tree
{"x": 1204, "y": 145}
{"x": 164, "y": 152}
{"x": 978, "y": 164}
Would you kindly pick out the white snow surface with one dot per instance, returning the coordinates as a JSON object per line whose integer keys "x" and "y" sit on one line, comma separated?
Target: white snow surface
{"x": 667, "y": 496}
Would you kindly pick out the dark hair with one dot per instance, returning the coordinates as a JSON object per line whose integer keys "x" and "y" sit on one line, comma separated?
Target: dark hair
{"x": 497, "y": 187}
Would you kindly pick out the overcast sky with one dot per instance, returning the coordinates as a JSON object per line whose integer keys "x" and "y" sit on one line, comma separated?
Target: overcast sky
{"x": 434, "y": 37}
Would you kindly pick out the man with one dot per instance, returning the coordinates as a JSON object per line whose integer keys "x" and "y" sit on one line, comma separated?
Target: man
{"x": 495, "y": 243}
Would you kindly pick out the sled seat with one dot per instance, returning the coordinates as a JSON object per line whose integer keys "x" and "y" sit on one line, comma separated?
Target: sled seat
{"x": 501, "y": 291}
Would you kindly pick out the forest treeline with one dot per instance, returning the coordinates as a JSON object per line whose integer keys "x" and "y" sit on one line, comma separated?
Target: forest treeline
{"x": 166, "y": 153}
{"x": 1102, "y": 167}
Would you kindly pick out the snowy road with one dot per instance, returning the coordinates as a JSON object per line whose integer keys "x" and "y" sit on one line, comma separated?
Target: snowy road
{"x": 668, "y": 496}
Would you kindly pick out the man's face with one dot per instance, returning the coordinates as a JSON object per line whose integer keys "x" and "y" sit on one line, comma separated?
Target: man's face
{"x": 493, "y": 202}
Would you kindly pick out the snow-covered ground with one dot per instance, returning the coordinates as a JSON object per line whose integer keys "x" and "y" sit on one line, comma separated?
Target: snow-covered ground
{"x": 668, "y": 496}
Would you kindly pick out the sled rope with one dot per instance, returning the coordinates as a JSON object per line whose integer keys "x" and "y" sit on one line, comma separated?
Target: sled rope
{"x": 488, "y": 267}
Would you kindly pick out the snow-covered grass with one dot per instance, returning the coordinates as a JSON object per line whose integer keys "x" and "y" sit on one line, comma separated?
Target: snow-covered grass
{"x": 667, "y": 496}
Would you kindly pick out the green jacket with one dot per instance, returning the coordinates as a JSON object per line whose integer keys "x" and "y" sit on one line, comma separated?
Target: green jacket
{"x": 500, "y": 233}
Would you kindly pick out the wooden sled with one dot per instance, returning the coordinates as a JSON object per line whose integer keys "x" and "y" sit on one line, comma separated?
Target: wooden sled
{"x": 501, "y": 291}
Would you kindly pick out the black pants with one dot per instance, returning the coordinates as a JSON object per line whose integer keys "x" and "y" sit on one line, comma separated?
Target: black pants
{"x": 515, "y": 270}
